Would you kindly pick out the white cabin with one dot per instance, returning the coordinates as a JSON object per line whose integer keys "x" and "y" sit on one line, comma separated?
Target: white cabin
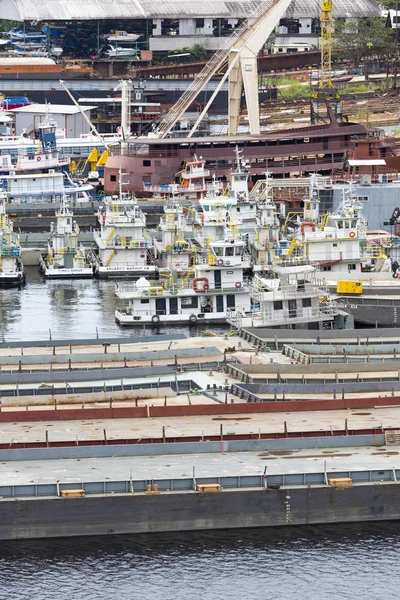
{"x": 65, "y": 258}
{"x": 12, "y": 270}
{"x": 122, "y": 244}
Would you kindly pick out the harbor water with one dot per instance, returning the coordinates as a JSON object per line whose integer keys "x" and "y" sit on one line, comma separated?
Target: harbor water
{"x": 312, "y": 563}
{"x": 321, "y": 563}
{"x": 80, "y": 308}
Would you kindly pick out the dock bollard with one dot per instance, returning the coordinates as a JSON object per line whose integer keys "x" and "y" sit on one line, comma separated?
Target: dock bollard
{"x": 285, "y": 431}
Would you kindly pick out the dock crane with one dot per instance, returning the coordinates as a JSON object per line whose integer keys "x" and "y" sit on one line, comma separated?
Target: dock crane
{"x": 326, "y": 91}
{"x": 240, "y": 52}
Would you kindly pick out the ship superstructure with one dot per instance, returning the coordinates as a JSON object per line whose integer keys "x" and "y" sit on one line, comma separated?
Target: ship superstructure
{"x": 12, "y": 270}
{"x": 122, "y": 245}
{"x": 65, "y": 257}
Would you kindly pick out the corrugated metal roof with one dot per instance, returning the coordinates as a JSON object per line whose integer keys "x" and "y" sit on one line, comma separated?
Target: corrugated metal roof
{"x": 61, "y": 10}
{"x": 56, "y": 109}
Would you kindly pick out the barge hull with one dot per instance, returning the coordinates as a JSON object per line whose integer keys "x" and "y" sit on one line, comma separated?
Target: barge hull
{"x": 189, "y": 511}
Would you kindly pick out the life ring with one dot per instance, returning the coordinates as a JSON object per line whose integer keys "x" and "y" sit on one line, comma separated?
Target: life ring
{"x": 307, "y": 224}
{"x": 238, "y": 285}
{"x": 220, "y": 262}
{"x": 39, "y": 159}
{"x": 155, "y": 319}
{"x": 352, "y": 234}
{"x": 192, "y": 318}
{"x": 205, "y": 286}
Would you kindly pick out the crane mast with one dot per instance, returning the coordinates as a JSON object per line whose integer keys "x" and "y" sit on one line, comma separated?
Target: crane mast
{"x": 326, "y": 45}
{"x": 326, "y": 91}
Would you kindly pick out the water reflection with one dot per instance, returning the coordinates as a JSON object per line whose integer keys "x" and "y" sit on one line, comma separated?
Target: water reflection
{"x": 67, "y": 308}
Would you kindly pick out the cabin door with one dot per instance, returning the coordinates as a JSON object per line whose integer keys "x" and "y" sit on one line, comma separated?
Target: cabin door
{"x": 220, "y": 303}
{"x": 173, "y": 306}
{"x": 230, "y": 301}
{"x": 217, "y": 280}
{"x": 292, "y": 309}
{"x": 161, "y": 306}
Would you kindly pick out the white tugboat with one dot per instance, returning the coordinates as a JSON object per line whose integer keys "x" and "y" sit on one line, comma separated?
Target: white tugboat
{"x": 40, "y": 156}
{"x": 175, "y": 250}
{"x": 65, "y": 258}
{"x": 123, "y": 246}
{"x": 12, "y": 270}
{"x": 212, "y": 288}
{"x": 289, "y": 296}
{"x": 37, "y": 173}
{"x": 192, "y": 183}
{"x": 245, "y": 206}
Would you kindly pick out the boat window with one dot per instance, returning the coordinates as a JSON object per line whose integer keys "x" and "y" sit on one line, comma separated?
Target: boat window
{"x": 278, "y": 305}
{"x": 306, "y": 302}
{"x": 354, "y": 223}
{"x": 238, "y": 251}
{"x": 229, "y": 251}
{"x": 145, "y": 301}
{"x": 340, "y": 224}
{"x": 218, "y": 251}
{"x": 346, "y": 224}
{"x": 189, "y": 302}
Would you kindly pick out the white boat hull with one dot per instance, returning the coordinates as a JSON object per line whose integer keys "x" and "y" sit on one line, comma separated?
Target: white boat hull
{"x": 194, "y": 318}
{"x": 85, "y": 272}
{"x": 11, "y": 278}
{"x": 135, "y": 271}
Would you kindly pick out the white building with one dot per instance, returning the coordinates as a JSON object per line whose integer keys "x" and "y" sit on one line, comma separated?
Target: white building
{"x": 68, "y": 118}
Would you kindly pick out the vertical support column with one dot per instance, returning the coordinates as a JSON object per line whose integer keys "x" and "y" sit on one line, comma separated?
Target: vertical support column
{"x": 235, "y": 88}
{"x": 250, "y": 81}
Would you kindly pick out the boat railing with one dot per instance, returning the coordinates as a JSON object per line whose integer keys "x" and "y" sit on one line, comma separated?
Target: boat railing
{"x": 266, "y": 317}
{"x": 10, "y": 251}
{"x": 121, "y": 241}
{"x": 307, "y": 289}
{"x": 174, "y": 188}
{"x": 159, "y": 288}
{"x": 223, "y": 261}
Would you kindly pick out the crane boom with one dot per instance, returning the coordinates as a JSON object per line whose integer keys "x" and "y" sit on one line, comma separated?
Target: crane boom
{"x": 247, "y": 40}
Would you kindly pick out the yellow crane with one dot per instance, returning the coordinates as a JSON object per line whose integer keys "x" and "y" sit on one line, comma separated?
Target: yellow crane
{"x": 325, "y": 82}
{"x": 326, "y": 90}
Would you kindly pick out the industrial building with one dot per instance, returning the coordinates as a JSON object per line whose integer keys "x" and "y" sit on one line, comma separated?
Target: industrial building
{"x": 167, "y": 26}
{"x": 70, "y": 121}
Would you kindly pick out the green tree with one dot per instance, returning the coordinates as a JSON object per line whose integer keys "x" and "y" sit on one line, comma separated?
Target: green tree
{"x": 6, "y": 25}
{"x": 359, "y": 38}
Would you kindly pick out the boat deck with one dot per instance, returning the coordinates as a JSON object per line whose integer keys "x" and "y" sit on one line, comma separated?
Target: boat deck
{"x": 180, "y": 466}
{"x": 198, "y": 425}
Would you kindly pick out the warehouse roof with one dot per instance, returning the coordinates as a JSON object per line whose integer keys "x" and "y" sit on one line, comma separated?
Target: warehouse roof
{"x": 60, "y": 10}
{"x": 54, "y": 109}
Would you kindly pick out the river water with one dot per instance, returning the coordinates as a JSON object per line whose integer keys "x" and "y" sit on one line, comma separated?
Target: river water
{"x": 80, "y": 308}
{"x": 312, "y": 563}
